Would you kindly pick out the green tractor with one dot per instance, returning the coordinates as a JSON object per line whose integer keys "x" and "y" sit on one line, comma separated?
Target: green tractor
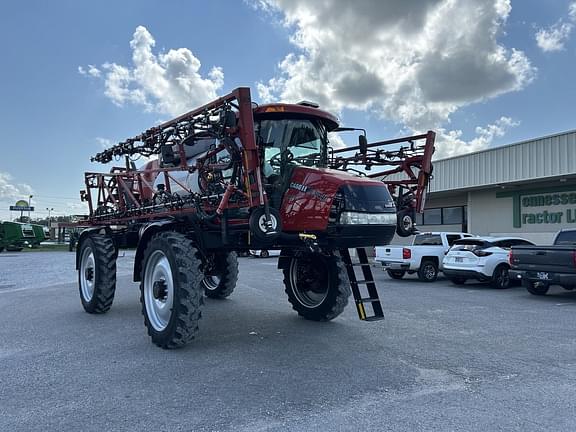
{"x": 15, "y": 236}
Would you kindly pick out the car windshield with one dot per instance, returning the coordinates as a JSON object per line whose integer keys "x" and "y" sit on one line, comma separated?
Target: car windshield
{"x": 295, "y": 141}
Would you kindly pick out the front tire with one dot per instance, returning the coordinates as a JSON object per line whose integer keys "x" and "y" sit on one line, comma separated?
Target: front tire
{"x": 171, "y": 291}
{"x": 220, "y": 281}
{"x": 317, "y": 286}
{"x": 97, "y": 273}
{"x": 396, "y": 274}
{"x": 428, "y": 271}
{"x": 500, "y": 277}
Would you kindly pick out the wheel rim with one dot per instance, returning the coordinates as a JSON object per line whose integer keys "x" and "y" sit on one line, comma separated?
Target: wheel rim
{"x": 158, "y": 290}
{"x": 309, "y": 281}
{"x": 263, "y": 226}
{"x": 429, "y": 271}
{"x": 407, "y": 222}
{"x": 503, "y": 278}
{"x": 211, "y": 282}
{"x": 87, "y": 273}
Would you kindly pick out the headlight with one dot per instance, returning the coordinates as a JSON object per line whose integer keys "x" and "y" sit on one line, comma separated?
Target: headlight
{"x": 353, "y": 218}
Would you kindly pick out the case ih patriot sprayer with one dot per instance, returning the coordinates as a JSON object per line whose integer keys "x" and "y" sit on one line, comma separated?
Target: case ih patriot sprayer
{"x": 232, "y": 176}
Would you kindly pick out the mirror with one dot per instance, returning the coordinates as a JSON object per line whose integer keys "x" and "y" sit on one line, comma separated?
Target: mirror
{"x": 363, "y": 144}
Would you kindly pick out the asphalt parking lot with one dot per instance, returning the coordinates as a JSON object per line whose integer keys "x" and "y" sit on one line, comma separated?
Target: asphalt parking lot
{"x": 446, "y": 358}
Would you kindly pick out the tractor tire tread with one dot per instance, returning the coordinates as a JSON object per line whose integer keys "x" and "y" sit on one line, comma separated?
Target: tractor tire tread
{"x": 228, "y": 279}
{"x": 189, "y": 298}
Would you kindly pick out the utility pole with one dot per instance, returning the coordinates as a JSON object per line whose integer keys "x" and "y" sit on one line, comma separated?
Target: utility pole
{"x": 29, "y": 205}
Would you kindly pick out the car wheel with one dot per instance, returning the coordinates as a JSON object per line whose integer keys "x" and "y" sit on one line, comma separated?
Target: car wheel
{"x": 428, "y": 271}
{"x": 500, "y": 277}
{"x": 396, "y": 274}
{"x": 264, "y": 253}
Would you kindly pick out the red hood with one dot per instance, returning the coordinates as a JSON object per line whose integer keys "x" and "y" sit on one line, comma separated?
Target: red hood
{"x": 307, "y": 202}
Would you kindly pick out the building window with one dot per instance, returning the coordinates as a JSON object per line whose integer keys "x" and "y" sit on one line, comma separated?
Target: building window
{"x": 419, "y": 219}
{"x": 443, "y": 216}
{"x": 433, "y": 216}
{"x": 452, "y": 215}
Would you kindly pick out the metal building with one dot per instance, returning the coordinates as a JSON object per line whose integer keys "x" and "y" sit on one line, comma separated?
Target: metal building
{"x": 526, "y": 189}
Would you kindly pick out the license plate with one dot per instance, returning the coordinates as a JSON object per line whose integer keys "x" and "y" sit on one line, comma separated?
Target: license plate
{"x": 543, "y": 275}
{"x": 458, "y": 259}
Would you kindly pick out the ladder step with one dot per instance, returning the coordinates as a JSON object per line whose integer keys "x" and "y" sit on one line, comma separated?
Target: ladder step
{"x": 367, "y": 281}
{"x": 374, "y": 318}
{"x": 369, "y": 300}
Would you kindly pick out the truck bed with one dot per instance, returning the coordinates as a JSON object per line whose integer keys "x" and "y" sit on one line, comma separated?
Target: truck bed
{"x": 552, "y": 265}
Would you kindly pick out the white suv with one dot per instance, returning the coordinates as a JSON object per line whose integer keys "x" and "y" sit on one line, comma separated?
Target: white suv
{"x": 481, "y": 258}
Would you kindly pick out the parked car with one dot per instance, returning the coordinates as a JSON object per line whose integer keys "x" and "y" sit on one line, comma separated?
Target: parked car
{"x": 481, "y": 258}
{"x": 424, "y": 256}
{"x": 264, "y": 253}
{"x": 538, "y": 267}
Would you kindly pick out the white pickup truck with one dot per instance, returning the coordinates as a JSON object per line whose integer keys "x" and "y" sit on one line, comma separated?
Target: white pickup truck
{"x": 424, "y": 256}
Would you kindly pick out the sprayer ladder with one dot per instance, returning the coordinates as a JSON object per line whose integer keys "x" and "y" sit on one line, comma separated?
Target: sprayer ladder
{"x": 368, "y": 280}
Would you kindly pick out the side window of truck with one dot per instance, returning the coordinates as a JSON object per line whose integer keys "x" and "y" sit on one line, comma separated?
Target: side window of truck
{"x": 566, "y": 238}
{"x": 428, "y": 240}
{"x": 451, "y": 238}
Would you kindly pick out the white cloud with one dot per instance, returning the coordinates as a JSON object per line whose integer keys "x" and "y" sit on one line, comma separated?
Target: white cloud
{"x": 11, "y": 191}
{"x": 554, "y": 38}
{"x": 169, "y": 83}
{"x": 414, "y": 63}
{"x": 92, "y": 71}
{"x": 336, "y": 140}
{"x": 450, "y": 143}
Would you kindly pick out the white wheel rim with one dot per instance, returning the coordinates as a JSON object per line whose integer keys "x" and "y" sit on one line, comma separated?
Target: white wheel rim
{"x": 262, "y": 223}
{"x": 407, "y": 222}
{"x": 87, "y": 273}
{"x": 158, "y": 290}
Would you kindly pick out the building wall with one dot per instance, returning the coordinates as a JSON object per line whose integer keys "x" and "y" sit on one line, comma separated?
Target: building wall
{"x": 540, "y": 158}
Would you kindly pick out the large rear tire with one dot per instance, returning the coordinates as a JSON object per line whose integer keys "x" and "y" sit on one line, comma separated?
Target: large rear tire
{"x": 220, "y": 281}
{"x": 171, "y": 291}
{"x": 317, "y": 286}
{"x": 97, "y": 273}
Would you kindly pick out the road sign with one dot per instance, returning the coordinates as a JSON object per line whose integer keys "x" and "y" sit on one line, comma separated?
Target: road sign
{"x": 22, "y": 208}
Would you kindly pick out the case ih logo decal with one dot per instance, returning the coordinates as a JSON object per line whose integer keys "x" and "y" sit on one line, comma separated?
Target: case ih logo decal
{"x": 308, "y": 190}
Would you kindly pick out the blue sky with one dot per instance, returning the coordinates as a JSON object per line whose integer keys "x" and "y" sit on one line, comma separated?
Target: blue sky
{"x": 483, "y": 73}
